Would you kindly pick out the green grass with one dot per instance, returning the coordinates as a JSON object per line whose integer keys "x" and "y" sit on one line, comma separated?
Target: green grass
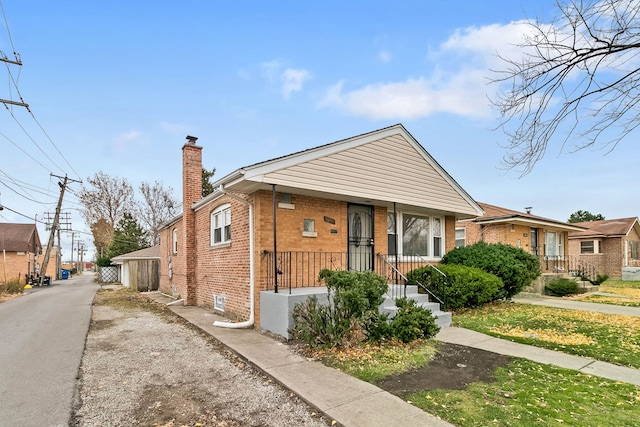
{"x": 527, "y": 393}
{"x": 605, "y": 337}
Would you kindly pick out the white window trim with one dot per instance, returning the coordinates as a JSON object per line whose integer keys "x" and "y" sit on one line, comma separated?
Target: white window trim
{"x": 430, "y": 246}
{"x": 559, "y": 244}
{"x": 220, "y": 211}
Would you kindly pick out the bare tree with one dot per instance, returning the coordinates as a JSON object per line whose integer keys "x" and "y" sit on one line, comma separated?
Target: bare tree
{"x": 104, "y": 204}
{"x": 578, "y": 80}
{"x": 157, "y": 206}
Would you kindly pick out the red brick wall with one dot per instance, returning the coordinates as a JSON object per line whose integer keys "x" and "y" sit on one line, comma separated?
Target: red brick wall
{"x": 191, "y": 193}
{"x": 223, "y": 270}
{"x": 14, "y": 266}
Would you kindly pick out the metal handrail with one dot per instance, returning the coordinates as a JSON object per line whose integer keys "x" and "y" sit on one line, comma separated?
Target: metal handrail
{"x": 405, "y": 279}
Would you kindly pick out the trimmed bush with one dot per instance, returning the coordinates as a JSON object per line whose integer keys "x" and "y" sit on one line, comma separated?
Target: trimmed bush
{"x": 412, "y": 322}
{"x": 514, "y": 266}
{"x": 461, "y": 286}
{"x": 561, "y": 287}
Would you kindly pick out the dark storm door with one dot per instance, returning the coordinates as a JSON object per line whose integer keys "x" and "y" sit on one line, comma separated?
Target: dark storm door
{"x": 360, "y": 254}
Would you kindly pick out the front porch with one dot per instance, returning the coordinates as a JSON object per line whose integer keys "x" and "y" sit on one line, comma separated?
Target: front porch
{"x": 292, "y": 277}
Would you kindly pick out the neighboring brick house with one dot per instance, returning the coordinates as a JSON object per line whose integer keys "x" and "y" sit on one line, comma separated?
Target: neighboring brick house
{"x": 608, "y": 245}
{"x": 269, "y": 228}
{"x": 20, "y": 247}
{"x": 543, "y": 237}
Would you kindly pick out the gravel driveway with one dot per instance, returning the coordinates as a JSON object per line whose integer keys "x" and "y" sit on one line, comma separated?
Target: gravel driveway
{"x": 143, "y": 366}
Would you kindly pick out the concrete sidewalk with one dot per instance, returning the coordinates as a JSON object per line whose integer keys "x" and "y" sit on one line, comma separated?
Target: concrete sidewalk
{"x": 589, "y": 366}
{"x": 577, "y": 304}
{"x": 343, "y": 398}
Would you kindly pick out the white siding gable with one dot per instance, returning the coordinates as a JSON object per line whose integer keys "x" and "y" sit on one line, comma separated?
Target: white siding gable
{"x": 391, "y": 168}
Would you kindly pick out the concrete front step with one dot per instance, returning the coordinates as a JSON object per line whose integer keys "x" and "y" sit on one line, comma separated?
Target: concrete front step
{"x": 443, "y": 319}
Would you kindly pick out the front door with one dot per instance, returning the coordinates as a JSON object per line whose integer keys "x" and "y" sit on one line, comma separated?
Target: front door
{"x": 360, "y": 225}
{"x": 534, "y": 241}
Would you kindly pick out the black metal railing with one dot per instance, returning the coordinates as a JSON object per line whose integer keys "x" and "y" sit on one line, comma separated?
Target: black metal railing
{"x": 297, "y": 269}
{"x": 575, "y": 266}
{"x": 398, "y": 280}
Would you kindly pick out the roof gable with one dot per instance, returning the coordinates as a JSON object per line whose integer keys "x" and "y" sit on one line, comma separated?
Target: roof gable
{"x": 387, "y": 165}
{"x": 19, "y": 238}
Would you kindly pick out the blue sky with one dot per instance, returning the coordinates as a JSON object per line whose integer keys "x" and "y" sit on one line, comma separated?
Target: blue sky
{"x": 116, "y": 86}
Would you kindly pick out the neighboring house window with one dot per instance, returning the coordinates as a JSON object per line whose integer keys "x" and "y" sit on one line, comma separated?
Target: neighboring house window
{"x": 420, "y": 235}
{"x": 461, "y": 237}
{"x": 587, "y": 247}
{"x": 221, "y": 225}
{"x": 174, "y": 241}
{"x": 554, "y": 244}
{"x": 634, "y": 249}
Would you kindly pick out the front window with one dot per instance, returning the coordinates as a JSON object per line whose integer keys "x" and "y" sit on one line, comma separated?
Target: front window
{"x": 554, "y": 246}
{"x": 221, "y": 225}
{"x": 587, "y": 247}
{"x": 420, "y": 235}
{"x": 634, "y": 249}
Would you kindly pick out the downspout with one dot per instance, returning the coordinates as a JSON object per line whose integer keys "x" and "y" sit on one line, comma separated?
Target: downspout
{"x": 247, "y": 323}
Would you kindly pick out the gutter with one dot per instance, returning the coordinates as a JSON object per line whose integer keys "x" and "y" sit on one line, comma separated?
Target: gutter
{"x": 250, "y": 322}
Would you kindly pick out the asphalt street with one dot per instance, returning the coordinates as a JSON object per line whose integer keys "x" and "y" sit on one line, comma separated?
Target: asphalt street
{"x": 42, "y": 338}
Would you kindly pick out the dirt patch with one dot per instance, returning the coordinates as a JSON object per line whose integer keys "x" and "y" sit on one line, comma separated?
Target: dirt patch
{"x": 453, "y": 368}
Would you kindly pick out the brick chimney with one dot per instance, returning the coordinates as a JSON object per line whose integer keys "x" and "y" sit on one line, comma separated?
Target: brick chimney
{"x": 191, "y": 193}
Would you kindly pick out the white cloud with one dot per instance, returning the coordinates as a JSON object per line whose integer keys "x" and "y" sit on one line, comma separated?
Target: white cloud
{"x": 457, "y": 84}
{"x": 292, "y": 80}
{"x": 384, "y": 56}
{"x": 124, "y": 141}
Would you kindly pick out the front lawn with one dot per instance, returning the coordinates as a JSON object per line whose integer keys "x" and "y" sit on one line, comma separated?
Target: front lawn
{"x": 526, "y": 393}
{"x": 620, "y": 293}
{"x": 605, "y": 337}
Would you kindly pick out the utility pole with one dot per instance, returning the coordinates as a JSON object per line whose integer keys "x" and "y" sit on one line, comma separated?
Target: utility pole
{"x": 3, "y": 58}
{"x": 54, "y": 226}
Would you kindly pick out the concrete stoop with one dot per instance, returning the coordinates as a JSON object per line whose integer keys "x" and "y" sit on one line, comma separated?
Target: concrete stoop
{"x": 443, "y": 318}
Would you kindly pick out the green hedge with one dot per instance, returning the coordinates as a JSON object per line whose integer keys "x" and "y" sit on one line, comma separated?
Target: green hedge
{"x": 514, "y": 266}
{"x": 460, "y": 286}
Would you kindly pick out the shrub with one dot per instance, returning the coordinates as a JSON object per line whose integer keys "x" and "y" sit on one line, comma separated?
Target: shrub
{"x": 514, "y": 266}
{"x": 353, "y": 296}
{"x": 460, "y": 286}
{"x": 412, "y": 322}
{"x": 561, "y": 287}
{"x": 103, "y": 261}
{"x": 600, "y": 279}
{"x": 13, "y": 286}
{"x": 317, "y": 325}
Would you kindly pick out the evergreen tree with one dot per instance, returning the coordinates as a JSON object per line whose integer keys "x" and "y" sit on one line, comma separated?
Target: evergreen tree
{"x": 584, "y": 216}
{"x": 128, "y": 236}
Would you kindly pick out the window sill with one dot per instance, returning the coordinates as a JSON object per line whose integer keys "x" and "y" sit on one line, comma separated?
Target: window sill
{"x": 220, "y": 245}
{"x": 309, "y": 234}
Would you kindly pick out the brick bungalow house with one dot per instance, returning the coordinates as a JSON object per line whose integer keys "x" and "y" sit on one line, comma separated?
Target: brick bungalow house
{"x": 20, "y": 246}
{"x": 543, "y": 237}
{"x": 608, "y": 245}
{"x": 377, "y": 201}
